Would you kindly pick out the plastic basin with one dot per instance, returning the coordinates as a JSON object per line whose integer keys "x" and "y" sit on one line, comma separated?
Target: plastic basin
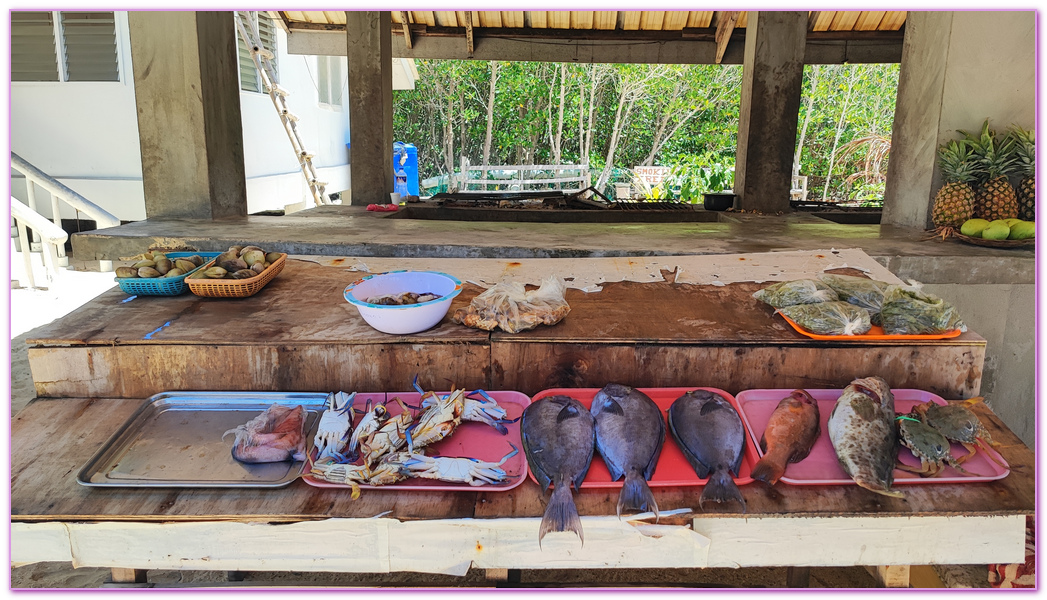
{"x": 410, "y": 318}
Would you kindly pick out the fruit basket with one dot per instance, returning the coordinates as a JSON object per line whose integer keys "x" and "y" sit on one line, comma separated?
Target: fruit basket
{"x": 234, "y": 288}
{"x": 977, "y": 241}
{"x": 162, "y": 286}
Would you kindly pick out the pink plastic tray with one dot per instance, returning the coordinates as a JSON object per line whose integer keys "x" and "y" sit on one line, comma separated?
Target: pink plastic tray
{"x": 672, "y": 468}
{"x": 471, "y": 439}
{"x": 821, "y": 466}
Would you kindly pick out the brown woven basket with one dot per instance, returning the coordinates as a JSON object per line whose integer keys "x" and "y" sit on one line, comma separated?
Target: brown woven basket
{"x": 234, "y": 288}
{"x": 1029, "y": 243}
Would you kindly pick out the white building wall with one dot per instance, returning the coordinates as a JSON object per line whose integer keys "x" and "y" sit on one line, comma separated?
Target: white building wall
{"x": 86, "y": 136}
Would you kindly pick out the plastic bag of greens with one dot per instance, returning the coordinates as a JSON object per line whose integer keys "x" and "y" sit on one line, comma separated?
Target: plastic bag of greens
{"x": 866, "y": 293}
{"x": 829, "y": 318}
{"x": 909, "y": 311}
{"x": 799, "y": 291}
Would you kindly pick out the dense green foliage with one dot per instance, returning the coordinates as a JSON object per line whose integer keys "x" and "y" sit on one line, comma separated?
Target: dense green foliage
{"x": 679, "y": 116}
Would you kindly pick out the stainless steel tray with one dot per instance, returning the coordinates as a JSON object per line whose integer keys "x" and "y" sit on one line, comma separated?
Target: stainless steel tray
{"x": 175, "y": 440}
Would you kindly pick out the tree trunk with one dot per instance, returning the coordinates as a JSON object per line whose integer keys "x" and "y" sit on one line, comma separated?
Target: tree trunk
{"x": 558, "y": 139}
{"x": 839, "y": 132}
{"x": 490, "y": 118}
{"x": 806, "y": 120}
{"x": 621, "y": 115}
{"x": 463, "y": 126}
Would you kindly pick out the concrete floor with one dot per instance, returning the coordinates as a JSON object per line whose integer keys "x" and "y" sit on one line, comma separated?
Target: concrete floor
{"x": 352, "y": 231}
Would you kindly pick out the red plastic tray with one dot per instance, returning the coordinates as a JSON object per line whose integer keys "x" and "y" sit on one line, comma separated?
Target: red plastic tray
{"x": 875, "y": 333}
{"x": 672, "y": 469}
{"x": 821, "y": 466}
{"x": 471, "y": 439}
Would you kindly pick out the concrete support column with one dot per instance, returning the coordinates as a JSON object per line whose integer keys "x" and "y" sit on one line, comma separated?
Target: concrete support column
{"x": 187, "y": 93}
{"x": 772, "y": 78}
{"x": 369, "y": 50}
{"x": 949, "y": 82}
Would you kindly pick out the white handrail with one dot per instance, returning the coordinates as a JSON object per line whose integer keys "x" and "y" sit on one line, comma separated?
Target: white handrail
{"x": 57, "y": 189}
{"x": 52, "y": 235}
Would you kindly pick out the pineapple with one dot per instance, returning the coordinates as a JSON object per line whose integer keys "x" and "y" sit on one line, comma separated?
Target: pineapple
{"x": 994, "y": 198}
{"x": 1025, "y": 151}
{"x": 954, "y": 202}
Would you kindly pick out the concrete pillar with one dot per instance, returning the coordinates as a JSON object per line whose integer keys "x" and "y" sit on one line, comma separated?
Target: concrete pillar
{"x": 369, "y": 50}
{"x": 187, "y": 92}
{"x": 949, "y": 81}
{"x": 772, "y": 78}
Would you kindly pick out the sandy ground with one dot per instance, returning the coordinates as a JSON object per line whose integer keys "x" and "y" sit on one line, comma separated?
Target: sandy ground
{"x": 31, "y": 308}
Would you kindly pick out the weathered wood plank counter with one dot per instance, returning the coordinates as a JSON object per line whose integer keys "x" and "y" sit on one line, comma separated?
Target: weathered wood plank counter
{"x": 303, "y": 528}
{"x": 299, "y": 334}
{"x": 93, "y": 368}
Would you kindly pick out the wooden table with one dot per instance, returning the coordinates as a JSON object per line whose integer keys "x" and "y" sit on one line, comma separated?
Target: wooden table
{"x": 298, "y": 334}
{"x": 304, "y": 528}
{"x": 93, "y": 368}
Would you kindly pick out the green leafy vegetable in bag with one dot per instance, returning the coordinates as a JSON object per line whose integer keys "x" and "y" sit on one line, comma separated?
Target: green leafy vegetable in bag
{"x": 909, "y": 311}
{"x": 866, "y": 293}
{"x": 799, "y": 291}
{"x": 829, "y": 318}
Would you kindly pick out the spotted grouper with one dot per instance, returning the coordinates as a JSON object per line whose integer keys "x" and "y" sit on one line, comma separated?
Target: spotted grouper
{"x": 630, "y": 431}
{"x": 710, "y": 433}
{"x": 862, "y": 431}
{"x": 791, "y": 431}
{"x": 558, "y": 436}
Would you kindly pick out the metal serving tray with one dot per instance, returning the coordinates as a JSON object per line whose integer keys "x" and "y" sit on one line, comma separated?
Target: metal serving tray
{"x": 175, "y": 440}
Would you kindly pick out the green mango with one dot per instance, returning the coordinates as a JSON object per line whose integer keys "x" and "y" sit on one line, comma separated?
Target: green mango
{"x": 973, "y": 227}
{"x": 1023, "y": 231}
{"x": 997, "y": 230}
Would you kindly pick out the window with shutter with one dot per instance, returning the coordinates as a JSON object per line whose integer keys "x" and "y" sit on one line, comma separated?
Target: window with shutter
{"x": 33, "y": 56}
{"x": 90, "y": 46}
{"x": 249, "y": 79}
{"x": 64, "y": 46}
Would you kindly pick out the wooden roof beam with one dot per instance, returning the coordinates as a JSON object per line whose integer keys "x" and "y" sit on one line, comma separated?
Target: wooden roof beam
{"x": 724, "y": 28}
{"x": 407, "y": 29}
{"x": 469, "y": 33}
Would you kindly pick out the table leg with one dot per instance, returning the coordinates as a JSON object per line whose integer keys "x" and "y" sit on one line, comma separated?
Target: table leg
{"x": 128, "y": 575}
{"x": 891, "y": 576}
{"x": 797, "y": 577}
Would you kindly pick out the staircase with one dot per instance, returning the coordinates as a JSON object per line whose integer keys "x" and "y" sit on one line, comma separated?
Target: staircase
{"x": 48, "y": 237}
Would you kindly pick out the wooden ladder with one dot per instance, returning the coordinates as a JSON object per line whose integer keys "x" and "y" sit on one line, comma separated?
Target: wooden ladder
{"x": 262, "y": 58}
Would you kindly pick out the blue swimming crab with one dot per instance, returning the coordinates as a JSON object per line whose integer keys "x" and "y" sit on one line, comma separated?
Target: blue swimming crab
{"x": 959, "y": 424}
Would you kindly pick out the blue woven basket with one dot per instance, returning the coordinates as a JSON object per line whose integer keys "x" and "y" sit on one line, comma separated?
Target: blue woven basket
{"x": 163, "y": 286}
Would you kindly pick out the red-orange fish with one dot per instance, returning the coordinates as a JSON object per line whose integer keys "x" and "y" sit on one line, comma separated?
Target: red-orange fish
{"x": 790, "y": 434}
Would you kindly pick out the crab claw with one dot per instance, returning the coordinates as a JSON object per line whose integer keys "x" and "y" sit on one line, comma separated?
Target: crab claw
{"x": 342, "y": 402}
{"x": 416, "y": 386}
{"x": 511, "y": 454}
{"x": 487, "y": 397}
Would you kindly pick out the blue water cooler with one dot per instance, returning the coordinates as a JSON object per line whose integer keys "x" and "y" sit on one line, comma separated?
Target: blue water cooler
{"x": 405, "y": 166}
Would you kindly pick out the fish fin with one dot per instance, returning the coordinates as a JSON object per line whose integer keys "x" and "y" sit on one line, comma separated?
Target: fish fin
{"x": 615, "y": 471}
{"x": 879, "y": 488}
{"x": 710, "y": 406}
{"x": 768, "y": 470}
{"x": 612, "y": 406}
{"x": 561, "y": 514}
{"x": 696, "y": 464}
{"x": 865, "y": 407}
{"x": 567, "y": 412}
{"x": 543, "y": 479}
{"x": 763, "y": 443}
{"x": 636, "y": 495}
{"x": 721, "y": 488}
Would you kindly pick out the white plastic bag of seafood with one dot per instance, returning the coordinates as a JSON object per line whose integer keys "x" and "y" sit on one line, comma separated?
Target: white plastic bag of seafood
{"x": 829, "y": 318}
{"x": 798, "y": 291}
{"x": 510, "y": 306}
